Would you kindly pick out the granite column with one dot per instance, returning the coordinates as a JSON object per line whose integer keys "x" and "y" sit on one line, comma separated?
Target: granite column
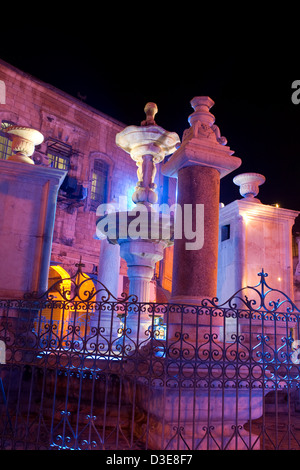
{"x": 199, "y": 163}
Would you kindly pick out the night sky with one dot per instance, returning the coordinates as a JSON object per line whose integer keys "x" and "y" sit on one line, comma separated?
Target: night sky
{"x": 120, "y": 63}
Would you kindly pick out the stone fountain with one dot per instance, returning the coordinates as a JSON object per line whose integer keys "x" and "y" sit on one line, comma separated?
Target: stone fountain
{"x": 142, "y": 232}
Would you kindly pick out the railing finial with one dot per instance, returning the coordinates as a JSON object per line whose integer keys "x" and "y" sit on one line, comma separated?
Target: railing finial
{"x": 262, "y": 273}
{"x": 80, "y": 265}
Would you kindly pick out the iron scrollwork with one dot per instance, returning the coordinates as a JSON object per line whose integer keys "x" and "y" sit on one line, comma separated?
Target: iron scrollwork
{"x": 261, "y": 291}
{"x": 77, "y": 290}
{"x": 87, "y": 370}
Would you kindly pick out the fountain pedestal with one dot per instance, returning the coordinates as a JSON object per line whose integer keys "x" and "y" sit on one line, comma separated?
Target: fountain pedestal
{"x": 141, "y": 234}
{"x": 141, "y": 257}
{"x": 141, "y": 244}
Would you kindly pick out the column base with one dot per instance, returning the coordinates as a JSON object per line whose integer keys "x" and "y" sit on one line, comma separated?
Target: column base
{"x": 190, "y": 322}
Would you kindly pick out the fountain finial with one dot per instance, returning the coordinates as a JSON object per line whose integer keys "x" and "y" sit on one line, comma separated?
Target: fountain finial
{"x": 150, "y": 109}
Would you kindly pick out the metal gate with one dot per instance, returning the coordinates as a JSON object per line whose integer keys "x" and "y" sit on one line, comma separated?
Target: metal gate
{"x": 84, "y": 370}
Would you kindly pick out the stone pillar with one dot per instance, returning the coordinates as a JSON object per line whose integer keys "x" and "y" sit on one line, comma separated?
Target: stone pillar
{"x": 195, "y": 271}
{"x": 260, "y": 237}
{"x": 28, "y": 195}
{"x": 108, "y": 275}
{"x": 109, "y": 267}
{"x": 140, "y": 278}
{"x": 141, "y": 257}
{"x": 199, "y": 163}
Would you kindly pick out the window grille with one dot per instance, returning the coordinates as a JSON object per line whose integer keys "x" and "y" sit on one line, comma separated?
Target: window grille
{"x": 5, "y": 141}
{"x": 58, "y": 154}
{"x": 99, "y": 183}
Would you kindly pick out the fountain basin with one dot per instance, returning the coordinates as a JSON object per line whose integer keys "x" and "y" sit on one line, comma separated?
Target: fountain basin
{"x": 195, "y": 410}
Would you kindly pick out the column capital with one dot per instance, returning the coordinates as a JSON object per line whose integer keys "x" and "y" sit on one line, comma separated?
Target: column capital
{"x": 202, "y": 144}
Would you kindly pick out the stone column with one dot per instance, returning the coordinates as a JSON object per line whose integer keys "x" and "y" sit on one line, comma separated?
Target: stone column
{"x": 297, "y": 277}
{"x": 199, "y": 163}
{"x": 109, "y": 267}
{"x": 141, "y": 257}
{"x": 108, "y": 275}
{"x": 195, "y": 271}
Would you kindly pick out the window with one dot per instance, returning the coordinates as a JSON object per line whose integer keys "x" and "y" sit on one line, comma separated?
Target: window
{"x": 58, "y": 154}
{"x": 99, "y": 183}
{"x": 225, "y": 232}
{"x": 5, "y": 141}
{"x": 58, "y": 161}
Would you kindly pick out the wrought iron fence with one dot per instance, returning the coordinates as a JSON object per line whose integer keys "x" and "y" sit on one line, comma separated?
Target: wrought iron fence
{"x": 84, "y": 370}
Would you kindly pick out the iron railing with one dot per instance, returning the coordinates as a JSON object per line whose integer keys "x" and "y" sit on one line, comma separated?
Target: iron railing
{"x": 84, "y": 370}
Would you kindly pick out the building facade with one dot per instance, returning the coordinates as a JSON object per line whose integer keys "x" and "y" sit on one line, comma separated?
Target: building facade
{"x": 81, "y": 140}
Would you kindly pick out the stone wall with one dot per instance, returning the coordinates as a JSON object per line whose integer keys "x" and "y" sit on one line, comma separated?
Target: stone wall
{"x": 91, "y": 134}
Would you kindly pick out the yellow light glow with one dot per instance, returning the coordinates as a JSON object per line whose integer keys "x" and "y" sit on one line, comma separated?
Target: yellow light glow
{"x": 63, "y": 275}
{"x": 279, "y": 279}
{"x": 246, "y": 219}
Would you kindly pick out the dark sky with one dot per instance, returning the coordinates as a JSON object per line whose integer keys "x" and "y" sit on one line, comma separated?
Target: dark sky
{"x": 121, "y": 62}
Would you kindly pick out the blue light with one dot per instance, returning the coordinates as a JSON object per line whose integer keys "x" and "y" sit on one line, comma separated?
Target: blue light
{"x": 130, "y": 203}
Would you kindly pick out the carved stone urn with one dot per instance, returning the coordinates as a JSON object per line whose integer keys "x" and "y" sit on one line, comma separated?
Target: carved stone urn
{"x": 24, "y": 140}
{"x": 249, "y": 185}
